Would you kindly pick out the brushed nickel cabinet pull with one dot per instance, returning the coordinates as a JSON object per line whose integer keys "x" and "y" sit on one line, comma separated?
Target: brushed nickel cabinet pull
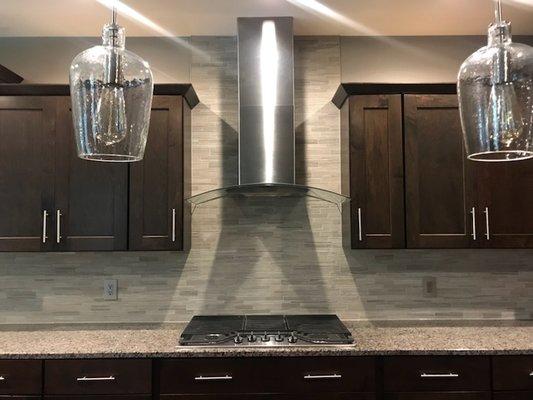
{"x": 448, "y": 375}
{"x": 58, "y": 227}
{"x": 96, "y": 379}
{"x": 213, "y": 378}
{"x": 360, "y": 224}
{"x": 474, "y": 229}
{"x": 332, "y": 376}
{"x": 487, "y": 223}
{"x": 173, "y": 224}
{"x": 45, "y": 217}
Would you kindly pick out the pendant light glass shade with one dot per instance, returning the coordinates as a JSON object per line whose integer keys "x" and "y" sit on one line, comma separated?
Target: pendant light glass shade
{"x": 111, "y": 90}
{"x": 495, "y": 87}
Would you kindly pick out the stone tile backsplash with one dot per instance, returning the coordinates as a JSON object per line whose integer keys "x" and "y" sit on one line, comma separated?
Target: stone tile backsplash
{"x": 266, "y": 255}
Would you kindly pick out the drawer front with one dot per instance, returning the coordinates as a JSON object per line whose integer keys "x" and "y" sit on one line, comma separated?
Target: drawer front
{"x": 329, "y": 374}
{"x": 439, "y": 396}
{"x": 211, "y": 375}
{"x": 94, "y": 377}
{"x": 267, "y": 375}
{"x": 276, "y": 396}
{"x": 513, "y": 396}
{"x": 20, "y": 377}
{"x": 513, "y": 372}
{"x": 109, "y": 397}
{"x": 436, "y": 374}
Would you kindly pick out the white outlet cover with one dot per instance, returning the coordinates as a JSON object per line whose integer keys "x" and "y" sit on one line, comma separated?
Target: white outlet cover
{"x": 110, "y": 289}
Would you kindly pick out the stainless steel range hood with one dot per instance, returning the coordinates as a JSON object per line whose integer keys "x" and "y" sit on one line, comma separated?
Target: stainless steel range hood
{"x": 266, "y": 115}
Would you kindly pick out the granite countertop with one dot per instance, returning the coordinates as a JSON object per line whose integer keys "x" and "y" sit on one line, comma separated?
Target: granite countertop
{"x": 135, "y": 341}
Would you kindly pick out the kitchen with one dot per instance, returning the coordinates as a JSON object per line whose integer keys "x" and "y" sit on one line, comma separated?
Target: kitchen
{"x": 110, "y": 292}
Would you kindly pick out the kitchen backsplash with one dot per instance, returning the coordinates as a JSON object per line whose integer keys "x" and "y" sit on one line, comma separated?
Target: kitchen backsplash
{"x": 266, "y": 255}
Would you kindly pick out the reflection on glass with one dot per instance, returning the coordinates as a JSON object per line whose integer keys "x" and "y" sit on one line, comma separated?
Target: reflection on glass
{"x": 111, "y": 90}
{"x": 495, "y": 86}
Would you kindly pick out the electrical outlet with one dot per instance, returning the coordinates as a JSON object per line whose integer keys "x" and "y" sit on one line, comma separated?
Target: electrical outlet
{"x": 429, "y": 285}
{"x": 110, "y": 289}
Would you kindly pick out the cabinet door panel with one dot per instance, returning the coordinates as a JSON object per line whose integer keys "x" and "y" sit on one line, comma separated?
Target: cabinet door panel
{"x": 376, "y": 164}
{"x": 91, "y": 196}
{"x": 438, "y": 185}
{"x": 27, "y": 130}
{"x": 156, "y": 182}
{"x": 506, "y": 192}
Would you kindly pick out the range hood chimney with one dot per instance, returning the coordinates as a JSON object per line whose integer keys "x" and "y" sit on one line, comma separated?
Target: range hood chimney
{"x": 266, "y": 115}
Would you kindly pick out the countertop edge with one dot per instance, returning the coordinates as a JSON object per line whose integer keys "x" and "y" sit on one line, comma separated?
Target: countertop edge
{"x": 232, "y": 353}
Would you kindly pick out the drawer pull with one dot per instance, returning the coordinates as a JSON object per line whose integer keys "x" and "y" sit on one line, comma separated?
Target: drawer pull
{"x": 96, "y": 379}
{"x": 449, "y": 375}
{"x": 332, "y": 376}
{"x": 213, "y": 378}
{"x": 531, "y": 373}
{"x": 2, "y": 378}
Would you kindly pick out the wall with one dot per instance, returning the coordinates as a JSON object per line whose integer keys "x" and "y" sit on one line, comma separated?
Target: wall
{"x": 408, "y": 59}
{"x": 47, "y": 60}
{"x": 266, "y": 256}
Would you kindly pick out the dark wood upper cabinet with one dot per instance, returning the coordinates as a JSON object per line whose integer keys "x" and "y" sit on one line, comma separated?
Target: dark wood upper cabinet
{"x": 157, "y": 182}
{"x": 27, "y": 135}
{"x": 91, "y": 198}
{"x": 505, "y": 198}
{"x": 50, "y": 200}
{"x": 376, "y": 171}
{"x": 439, "y": 187}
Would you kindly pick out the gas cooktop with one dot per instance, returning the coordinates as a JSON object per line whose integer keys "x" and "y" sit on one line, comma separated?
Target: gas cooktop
{"x": 265, "y": 330}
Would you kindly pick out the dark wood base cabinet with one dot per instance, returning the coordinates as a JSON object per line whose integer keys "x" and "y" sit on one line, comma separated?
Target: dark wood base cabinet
{"x": 272, "y": 378}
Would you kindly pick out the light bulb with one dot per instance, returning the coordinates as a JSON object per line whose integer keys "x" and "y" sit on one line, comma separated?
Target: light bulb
{"x": 504, "y": 118}
{"x": 111, "y": 125}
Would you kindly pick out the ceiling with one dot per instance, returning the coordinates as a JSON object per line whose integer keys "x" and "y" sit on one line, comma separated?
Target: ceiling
{"x": 217, "y": 17}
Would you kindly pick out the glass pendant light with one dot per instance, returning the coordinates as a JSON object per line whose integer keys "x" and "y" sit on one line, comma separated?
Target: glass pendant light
{"x": 495, "y": 87}
{"x": 111, "y": 90}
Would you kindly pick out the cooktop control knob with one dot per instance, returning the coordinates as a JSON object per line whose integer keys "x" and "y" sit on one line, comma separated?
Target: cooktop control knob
{"x": 292, "y": 338}
{"x": 265, "y": 338}
{"x": 252, "y": 338}
{"x": 279, "y": 337}
{"x": 238, "y": 339}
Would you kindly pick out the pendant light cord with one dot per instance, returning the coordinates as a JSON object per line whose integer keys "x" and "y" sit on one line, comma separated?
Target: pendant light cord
{"x": 498, "y": 11}
{"x": 114, "y": 15}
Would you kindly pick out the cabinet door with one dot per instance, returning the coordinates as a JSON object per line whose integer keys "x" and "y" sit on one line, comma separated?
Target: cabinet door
{"x": 91, "y": 198}
{"x": 156, "y": 182}
{"x": 439, "y": 188}
{"x": 505, "y": 202}
{"x": 27, "y": 129}
{"x": 376, "y": 172}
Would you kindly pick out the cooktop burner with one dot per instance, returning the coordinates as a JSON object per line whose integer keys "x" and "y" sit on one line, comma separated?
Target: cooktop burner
{"x": 265, "y": 330}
